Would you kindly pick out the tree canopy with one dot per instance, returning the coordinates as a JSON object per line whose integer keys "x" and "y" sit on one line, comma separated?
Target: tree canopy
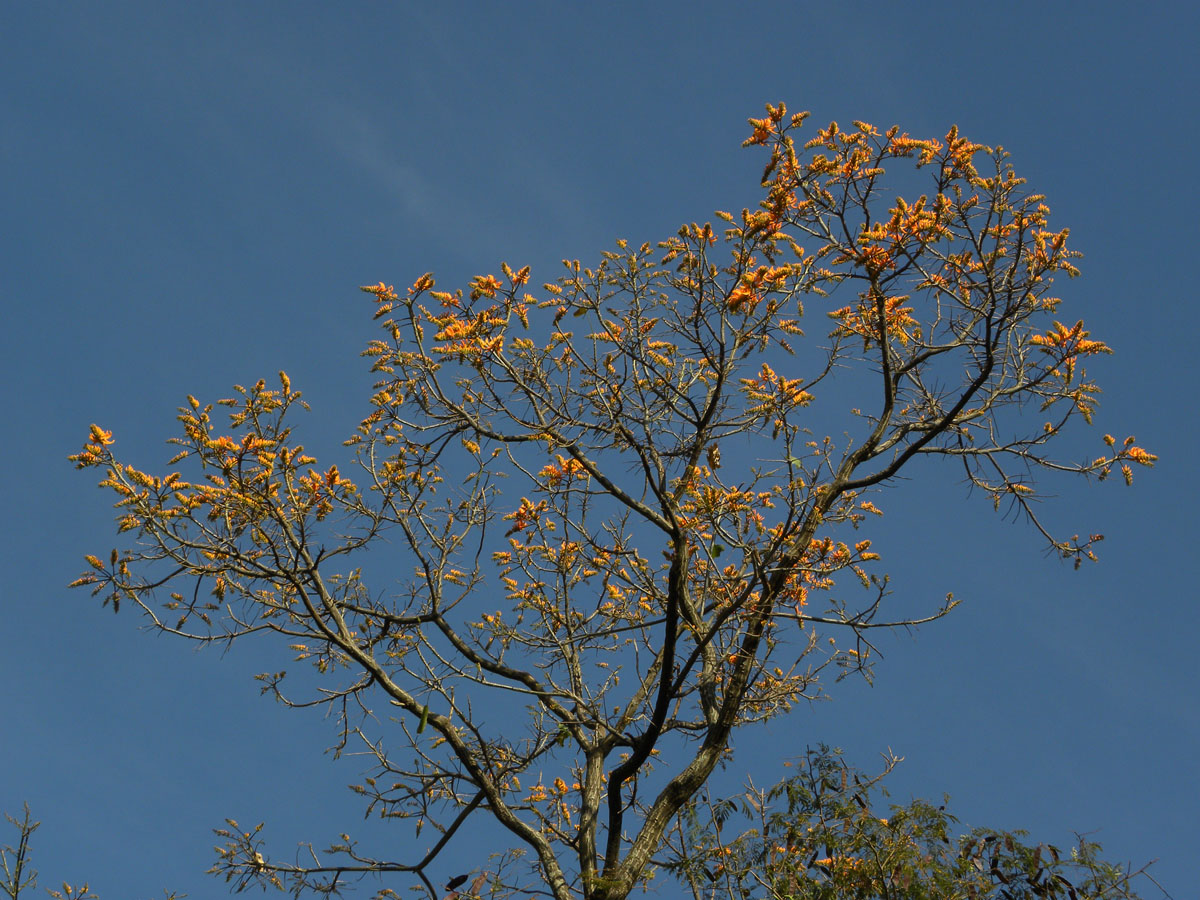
{"x": 820, "y": 834}
{"x": 625, "y": 507}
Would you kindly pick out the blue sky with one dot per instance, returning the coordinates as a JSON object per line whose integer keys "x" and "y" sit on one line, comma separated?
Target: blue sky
{"x": 193, "y": 193}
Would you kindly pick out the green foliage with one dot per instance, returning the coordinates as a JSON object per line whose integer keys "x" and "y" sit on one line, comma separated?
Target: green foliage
{"x": 820, "y": 835}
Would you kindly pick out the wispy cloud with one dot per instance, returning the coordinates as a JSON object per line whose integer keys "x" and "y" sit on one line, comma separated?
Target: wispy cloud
{"x": 364, "y": 144}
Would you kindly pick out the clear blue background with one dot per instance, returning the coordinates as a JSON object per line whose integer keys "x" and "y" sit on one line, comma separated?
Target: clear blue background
{"x": 192, "y": 193}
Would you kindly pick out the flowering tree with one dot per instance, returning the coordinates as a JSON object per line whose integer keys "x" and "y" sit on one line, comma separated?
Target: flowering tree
{"x": 575, "y": 549}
